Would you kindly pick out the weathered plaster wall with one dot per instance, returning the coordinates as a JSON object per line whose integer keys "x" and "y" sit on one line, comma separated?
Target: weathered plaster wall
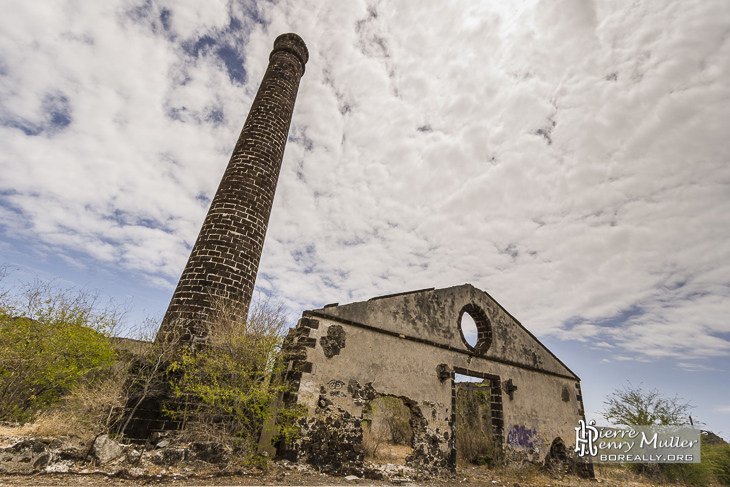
{"x": 434, "y": 315}
{"x": 343, "y": 356}
{"x": 371, "y": 364}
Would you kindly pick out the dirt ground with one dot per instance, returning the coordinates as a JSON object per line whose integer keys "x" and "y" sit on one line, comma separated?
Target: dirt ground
{"x": 284, "y": 473}
{"x": 279, "y": 475}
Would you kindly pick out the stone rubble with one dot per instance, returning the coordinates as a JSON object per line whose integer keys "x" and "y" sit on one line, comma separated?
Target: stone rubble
{"x": 71, "y": 455}
{"x": 29, "y": 455}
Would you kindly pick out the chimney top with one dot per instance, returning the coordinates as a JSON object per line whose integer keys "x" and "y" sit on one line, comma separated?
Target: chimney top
{"x": 293, "y": 44}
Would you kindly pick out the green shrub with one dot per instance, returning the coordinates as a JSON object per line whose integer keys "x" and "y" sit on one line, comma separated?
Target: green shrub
{"x": 229, "y": 388}
{"x": 717, "y": 458}
{"x": 713, "y": 467}
{"x": 474, "y": 437}
{"x": 50, "y": 339}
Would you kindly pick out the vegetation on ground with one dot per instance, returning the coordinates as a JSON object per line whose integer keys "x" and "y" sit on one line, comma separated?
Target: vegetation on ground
{"x": 231, "y": 387}
{"x": 387, "y": 429}
{"x": 634, "y": 406}
{"x": 52, "y": 341}
{"x": 62, "y": 368}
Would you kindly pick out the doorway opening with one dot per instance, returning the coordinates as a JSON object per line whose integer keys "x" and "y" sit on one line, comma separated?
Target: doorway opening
{"x": 387, "y": 430}
{"x": 477, "y": 418}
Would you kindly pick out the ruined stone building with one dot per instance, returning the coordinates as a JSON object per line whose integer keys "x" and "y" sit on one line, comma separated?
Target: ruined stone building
{"x": 409, "y": 347}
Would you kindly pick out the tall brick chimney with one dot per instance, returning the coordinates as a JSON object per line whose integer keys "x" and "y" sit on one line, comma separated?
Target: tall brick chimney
{"x": 224, "y": 261}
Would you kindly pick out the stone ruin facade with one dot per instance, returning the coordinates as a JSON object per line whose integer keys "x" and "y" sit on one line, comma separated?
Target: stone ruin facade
{"x": 411, "y": 346}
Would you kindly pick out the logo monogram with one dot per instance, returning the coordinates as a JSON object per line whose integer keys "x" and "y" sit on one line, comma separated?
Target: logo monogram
{"x": 585, "y": 436}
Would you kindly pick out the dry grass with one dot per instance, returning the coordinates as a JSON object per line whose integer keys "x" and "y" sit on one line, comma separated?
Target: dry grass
{"x": 379, "y": 450}
{"x": 623, "y": 475}
{"x": 391, "y": 453}
{"x": 60, "y": 422}
{"x": 9, "y": 434}
{"x": 89, "y": 410}
{"x": 532, "y": 475}
{"x": 387, "y": 433}
{"x": 370, "y": 443}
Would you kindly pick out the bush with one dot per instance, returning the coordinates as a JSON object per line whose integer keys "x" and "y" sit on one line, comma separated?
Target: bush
{"x": 228, "y": 389}
{"x": 51, "y": 339}
{"x": 90, "y": 409}
{"x": 59, "y": 364}
{"x": 714, "y": 467}
{"x": 718, "y": 459}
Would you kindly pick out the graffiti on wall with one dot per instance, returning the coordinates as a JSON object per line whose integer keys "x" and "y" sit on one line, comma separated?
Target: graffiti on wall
{"x": 336, "y": 387}
{"x": 520, "y": 436}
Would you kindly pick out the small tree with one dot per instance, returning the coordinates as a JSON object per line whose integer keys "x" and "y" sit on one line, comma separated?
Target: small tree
{"x": 635, "y": 406}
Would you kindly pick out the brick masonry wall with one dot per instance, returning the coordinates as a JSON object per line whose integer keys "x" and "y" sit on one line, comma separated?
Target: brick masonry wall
{"x": 224, "y": 261}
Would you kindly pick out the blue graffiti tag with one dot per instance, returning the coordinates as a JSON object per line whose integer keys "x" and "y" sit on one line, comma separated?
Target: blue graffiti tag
{"x": 519, "y": 435}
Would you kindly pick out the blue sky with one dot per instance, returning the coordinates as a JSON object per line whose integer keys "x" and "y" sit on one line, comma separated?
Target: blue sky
{"x": 569, "y": 157}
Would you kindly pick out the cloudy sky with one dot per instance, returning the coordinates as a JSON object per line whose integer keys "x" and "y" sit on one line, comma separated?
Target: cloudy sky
{"x": 569, "y": 157}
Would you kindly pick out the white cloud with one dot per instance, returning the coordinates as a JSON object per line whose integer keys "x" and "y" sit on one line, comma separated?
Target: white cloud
{"x": 568, "y": 157}
{"x": 696, "y": 367}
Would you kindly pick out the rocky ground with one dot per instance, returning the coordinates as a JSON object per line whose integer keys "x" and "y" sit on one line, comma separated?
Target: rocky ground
{"x": 69, "y": 461}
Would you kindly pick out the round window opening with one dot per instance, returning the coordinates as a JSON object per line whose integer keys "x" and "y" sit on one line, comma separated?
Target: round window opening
{"x": 475, "y": 329}
{"x": 469, "y": 330}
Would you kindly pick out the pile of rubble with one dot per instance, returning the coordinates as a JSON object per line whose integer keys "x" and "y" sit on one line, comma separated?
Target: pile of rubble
{"x": 396, "y": 474}
{"x": 67, "y": 454}
{"x": 163, "y": 457}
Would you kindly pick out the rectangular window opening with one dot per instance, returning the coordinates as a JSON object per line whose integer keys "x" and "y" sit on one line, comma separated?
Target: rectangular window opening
{"x": 458, "y": 378}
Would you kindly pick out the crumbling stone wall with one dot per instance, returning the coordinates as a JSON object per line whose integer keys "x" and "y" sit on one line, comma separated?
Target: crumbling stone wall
{"x": 411, "y": 346}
